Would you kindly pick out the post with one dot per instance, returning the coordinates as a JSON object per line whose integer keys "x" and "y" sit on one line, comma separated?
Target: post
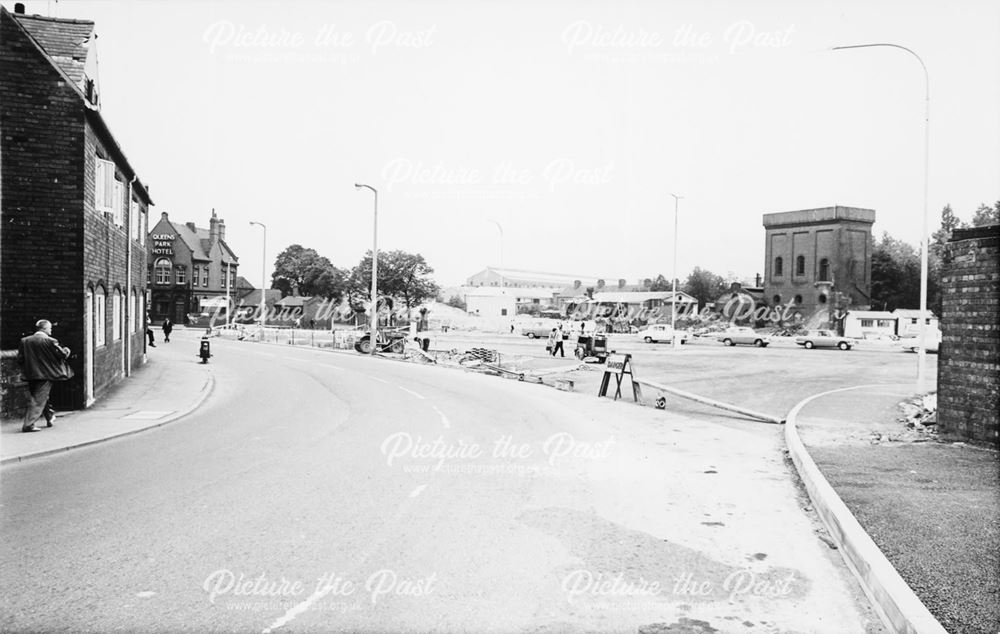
{"x": 263, "y": 280}
{"x": 373, "y": 335}
{"x": 674, "y": 339}
{"x": 924, "y": 241}
{"x": 229, "y": 305}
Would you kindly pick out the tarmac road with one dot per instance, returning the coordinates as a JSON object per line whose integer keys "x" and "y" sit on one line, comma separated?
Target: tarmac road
{"x": 330, "y": 492}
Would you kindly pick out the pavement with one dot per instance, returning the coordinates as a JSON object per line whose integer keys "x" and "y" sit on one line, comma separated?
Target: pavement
{"x": 932, "y": 508}
{"x": 171, "y": 384}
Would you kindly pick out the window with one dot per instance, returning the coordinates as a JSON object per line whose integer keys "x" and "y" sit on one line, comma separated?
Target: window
{"x": 104, "y": 186}
{"x": 100, "y": 317}
{"x": 800, "y": 265}
{"x": 779, "y": 265}
{"x": 503, "y": 312}
{"x": 822, "y": 299}
{"x": 798, "y": 299}
{"x": 232, "y": 278}
{"x": 149, "y": 274}
{"x": 885, "y": 323}
{"x": 195, "y": 271}
{"x": 824, "y": 270}
{"x": 133, "y": 219}
{"x": 204, "y": 275}
{"x": 777, "y": 300}
{"x": 180, "y": 274}
{"x": 142, "y": 226}
{"x": 116, "y": 315}
{"x": 162, "y": 271}
{"x": 134, "y": 304}
{"x": 118, "y": 210}
{"x": 867, "y": 323}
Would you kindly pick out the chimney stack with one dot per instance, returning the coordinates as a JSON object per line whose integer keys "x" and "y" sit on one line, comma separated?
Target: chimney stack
{"x": 19, "y": 8}
{"x": 213, "y": 228}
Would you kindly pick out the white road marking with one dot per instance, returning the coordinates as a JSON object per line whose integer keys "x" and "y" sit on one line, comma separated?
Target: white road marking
{"x": 418, "y": 490}
{"x": 444, "y": 419}
{"x": 375, "y": 378}
{"x": 410, "y": 392}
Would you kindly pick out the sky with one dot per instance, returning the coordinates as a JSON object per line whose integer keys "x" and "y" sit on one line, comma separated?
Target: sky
{"x": 546, "y": 136}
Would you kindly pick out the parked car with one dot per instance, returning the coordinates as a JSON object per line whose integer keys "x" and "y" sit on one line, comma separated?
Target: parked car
{"x": 654, "y": 333}
{"x": 744, "y": 335}
{"x": 823, "y": 339}
{"x": 538, "y": 329}
{"x": 912, "y": 344}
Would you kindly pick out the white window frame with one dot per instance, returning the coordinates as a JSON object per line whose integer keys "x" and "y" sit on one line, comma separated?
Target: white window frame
{"x": 165, "y": 279}
{"x": 116, "y": 315}
{"x": 134, "y": 303}
{"x": 118, "y": 210}
{"x": 180, "y": 275}
{"x": 104, "y": 180}
{"x": 204, "y": 276}
{"x": 133, "y": 219}
{"x": 100, "y": 316}
{"x": 142, "y": 226}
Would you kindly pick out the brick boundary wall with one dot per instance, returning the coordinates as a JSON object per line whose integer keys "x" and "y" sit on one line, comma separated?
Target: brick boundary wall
{"x": 969, "y": 361}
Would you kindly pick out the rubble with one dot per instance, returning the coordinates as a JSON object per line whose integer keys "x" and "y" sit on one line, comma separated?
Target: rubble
{"x": 920, "y": 413}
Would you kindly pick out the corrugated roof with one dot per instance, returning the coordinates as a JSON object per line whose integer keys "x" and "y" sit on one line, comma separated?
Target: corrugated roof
{"x": 64, "y": 40}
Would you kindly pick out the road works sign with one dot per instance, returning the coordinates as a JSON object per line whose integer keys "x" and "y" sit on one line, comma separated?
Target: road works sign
{"x": 618, "y": 366}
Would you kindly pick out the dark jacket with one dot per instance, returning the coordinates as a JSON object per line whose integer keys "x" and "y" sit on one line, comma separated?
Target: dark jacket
{"x": 42, "y": 359}
{"x": 168, "y": 326}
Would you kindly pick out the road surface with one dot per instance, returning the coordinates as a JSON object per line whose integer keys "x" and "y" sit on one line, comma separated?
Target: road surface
{"x": 317, "y": 491}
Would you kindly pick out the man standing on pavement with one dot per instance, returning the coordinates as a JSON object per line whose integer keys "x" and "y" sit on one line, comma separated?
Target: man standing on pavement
{"x": 42, "y": 360}
{"x": 168, "y": 327}
{"x": 149, "y": 332}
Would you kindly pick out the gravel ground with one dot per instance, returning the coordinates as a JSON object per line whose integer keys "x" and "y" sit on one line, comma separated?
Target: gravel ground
{"x": 933, "y": 508}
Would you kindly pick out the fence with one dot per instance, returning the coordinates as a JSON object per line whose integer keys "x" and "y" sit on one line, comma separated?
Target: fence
{"x": 337, "y": 339}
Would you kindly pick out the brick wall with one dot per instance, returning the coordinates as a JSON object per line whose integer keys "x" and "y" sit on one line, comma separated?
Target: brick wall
{"x": 968, "y": 365}
{"x": 41, "y": 239}
{"x": 54, "y": 245}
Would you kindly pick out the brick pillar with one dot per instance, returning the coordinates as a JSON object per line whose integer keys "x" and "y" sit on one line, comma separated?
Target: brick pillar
{"x": 968, "y": 365}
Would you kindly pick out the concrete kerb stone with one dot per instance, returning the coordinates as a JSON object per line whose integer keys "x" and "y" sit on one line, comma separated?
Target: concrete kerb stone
{"x": 206, "y": 391}
{"x": 895, "y": 602}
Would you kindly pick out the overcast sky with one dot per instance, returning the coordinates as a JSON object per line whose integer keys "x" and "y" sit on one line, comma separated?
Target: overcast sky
{"x": 569, "y": 124}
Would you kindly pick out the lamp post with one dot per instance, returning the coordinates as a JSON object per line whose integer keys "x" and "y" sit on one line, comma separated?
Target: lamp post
{"x": 263, "y": 279}
{"x": 372, "y": 337}
{"x": 924, "y": 242}
{"x": 674, "y": 340}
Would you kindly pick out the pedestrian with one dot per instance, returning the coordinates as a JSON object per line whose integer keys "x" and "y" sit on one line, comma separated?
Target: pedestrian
{"x": 168, "y": 327}
{"x": 42, "y": 361}
{"x": 556, "y": 342}
{"x": 312, "y": 324}
{"x": 149, "y": 332}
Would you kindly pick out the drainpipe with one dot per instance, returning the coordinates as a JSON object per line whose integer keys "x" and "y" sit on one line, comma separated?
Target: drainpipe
{"x": 128, "y": 281}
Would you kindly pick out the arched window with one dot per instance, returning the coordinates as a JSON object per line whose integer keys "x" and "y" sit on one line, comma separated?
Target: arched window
{"x": 100, "y": 316}
{"x": 798, "y": 299}
{"x": 162, "y": 267}
{"x": 779, "y": 267}
{"x": 134, "y": 307}
{"x": 800, "y": 265}
{"x": 824, "y": 270}
{"x": 822, "y": 299}
{"x": 777, "y": 300}
{"x": 116, "y": 315}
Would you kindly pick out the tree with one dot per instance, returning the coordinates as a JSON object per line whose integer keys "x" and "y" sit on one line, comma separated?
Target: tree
{"x": 704, "y": 286}
{"x": 306, "y": 270}
{"x": 895, "y": 274}
{"x": 402, "y": 276}
{"x": 986, "y": 215}
{"x": 660, "y": 284}
{"x": 456, "y": 301}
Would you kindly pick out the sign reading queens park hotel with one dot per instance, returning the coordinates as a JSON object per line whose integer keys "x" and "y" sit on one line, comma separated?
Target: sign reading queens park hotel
{"x": 163, "y": 243}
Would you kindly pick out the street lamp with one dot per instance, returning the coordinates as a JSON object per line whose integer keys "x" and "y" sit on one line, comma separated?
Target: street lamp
{"x": 372, "y": 337}
{"x": 500, "y": 229}
{"x": 922, "y": 346}
{"x": 674, "y": 340}
{"x": 263, "y": 279}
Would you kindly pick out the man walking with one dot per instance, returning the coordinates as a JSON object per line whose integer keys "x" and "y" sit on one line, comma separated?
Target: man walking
{"x": 168, "y": 327}
{"x": 556, "y": 342}
{"x": 42, "y": 360}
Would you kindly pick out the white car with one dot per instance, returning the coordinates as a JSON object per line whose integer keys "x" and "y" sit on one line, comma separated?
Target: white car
{"x": 743, "y": 335}
{"x": 912, "y": 344}
{"x": 654, "y": 333}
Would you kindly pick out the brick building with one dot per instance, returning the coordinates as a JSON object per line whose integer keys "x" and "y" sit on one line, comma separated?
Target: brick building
{"x": 72, "y": 236}
{"x": 969, "y": 359}
{"x": 819, "y": 259}
{"x": 189, "y": 269}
